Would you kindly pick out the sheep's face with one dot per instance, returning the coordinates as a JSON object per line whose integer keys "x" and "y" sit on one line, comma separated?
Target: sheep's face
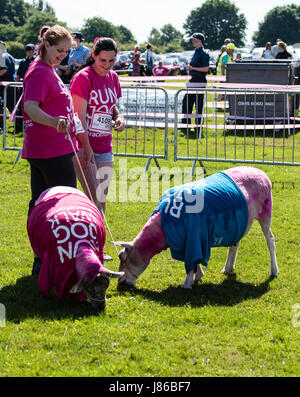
{"x": 95, "y": 290}
{"x": 131, "y": 263}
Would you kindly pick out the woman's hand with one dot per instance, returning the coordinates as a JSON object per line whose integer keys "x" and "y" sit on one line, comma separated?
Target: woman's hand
{"x": 62, "y": 124}
{"x": 119, "y": 123}
{"x": 87, "y": 156}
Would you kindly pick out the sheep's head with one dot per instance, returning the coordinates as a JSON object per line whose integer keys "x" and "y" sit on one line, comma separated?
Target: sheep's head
{"x": 95, "y": 289}
{"x": 132, "y": 263}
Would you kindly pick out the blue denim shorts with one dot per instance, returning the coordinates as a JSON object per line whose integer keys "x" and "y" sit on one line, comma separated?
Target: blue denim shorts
{"x": 104, "y": 157}
{"x": 101, "y": 157}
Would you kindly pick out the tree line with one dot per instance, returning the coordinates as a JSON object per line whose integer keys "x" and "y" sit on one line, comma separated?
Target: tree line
{"x": 20, "y": 23}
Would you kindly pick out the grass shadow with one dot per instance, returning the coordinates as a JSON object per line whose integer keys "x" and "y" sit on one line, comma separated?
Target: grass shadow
{"x": 229, "y": 293}
{"x": 24, "y": 300}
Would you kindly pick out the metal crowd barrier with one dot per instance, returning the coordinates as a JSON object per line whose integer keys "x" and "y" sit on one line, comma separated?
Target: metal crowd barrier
{"x": 237, "y": 125}
{"x": 10, "y": 93}
{"x": 255, "y": 126}
{"x": 145, "y": 110}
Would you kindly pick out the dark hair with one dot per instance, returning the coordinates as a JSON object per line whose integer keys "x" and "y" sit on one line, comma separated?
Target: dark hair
{"x": 102, "y": 44}
{"x": 53, "y": 35}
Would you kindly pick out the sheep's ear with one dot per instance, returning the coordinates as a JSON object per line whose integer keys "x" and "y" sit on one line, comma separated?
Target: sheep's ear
{"x": 78, "y": 287}
{"x": 110, "y": 274}
{"x": 124, "y": 244}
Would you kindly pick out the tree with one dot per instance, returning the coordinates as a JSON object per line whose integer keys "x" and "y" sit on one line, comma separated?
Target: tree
{"x": 125, "y": 34}
{"x": 99, "y": 27}
{"x": 22, "y": 21}
{"x": 217, "y": 20}
{"x": 167, "y": 36}
{"x": 280, "y": 22}
{"x": 14, "y": 12}
{"x": 155, "y": 37}
{"x": 33, "y": 25}
{"x": 9, "y": 32}
{"x": 170, "y": 34}
{"x": 16, "y": 49}
{"x": 43, "y": 7}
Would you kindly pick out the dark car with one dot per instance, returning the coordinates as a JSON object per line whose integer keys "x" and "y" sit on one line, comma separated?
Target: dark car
{"x": 122, "y": 62}
{"x": 183, "y": 62}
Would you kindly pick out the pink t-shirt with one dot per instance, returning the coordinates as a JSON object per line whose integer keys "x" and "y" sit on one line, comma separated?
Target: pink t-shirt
{"x": 101, "y": 94}
{"x": 160, "y": 71}
{"x": 62, "y": 219}
{"x": 42, "y": 84}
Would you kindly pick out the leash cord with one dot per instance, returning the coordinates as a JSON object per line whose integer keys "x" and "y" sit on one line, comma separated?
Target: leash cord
{"x": 68, "y": 137}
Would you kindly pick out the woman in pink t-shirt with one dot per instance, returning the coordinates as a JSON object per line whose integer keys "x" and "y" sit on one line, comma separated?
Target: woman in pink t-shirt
{"x": 95, "y": 90}
{"x": 47, "y": 113}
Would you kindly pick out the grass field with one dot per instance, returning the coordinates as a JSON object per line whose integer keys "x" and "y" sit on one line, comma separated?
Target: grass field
{"x": 243, "y": 325}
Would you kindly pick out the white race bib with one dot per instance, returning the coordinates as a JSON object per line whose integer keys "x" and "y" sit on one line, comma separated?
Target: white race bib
{"x": 101, "y": 123}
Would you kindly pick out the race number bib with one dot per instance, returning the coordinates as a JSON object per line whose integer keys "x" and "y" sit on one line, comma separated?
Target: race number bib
{"x": 101, "y": 123}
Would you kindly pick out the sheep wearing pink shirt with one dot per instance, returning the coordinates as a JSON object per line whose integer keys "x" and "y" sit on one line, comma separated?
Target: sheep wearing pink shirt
{"x": 251, "y": 184}
{"x": 67, "y": 234}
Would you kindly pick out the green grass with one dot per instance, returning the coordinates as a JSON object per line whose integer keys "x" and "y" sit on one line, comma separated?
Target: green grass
{"x": 238, "y": 325}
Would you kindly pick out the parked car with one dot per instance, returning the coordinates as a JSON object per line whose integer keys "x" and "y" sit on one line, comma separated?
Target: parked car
{"x": 122, "y": 62}
{"x": 212, "y": 67}
{"x": 257, "y": 52}
{"x": 184, "y": 60}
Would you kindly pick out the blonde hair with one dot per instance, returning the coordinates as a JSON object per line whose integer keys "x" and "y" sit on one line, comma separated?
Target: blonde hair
{"x": 282, "y": 45}
{"x": 53, "y": 35}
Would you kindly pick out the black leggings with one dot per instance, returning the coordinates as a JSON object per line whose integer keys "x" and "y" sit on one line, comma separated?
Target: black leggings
{"x": 46, "y": 173}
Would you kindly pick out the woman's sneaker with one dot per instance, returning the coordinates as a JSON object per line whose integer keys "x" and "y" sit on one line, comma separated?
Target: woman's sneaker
{"x": 37, "y": 263}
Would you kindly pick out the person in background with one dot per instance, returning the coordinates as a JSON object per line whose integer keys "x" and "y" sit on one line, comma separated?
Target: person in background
{"x": 268, "y": 51}
{"x": 64, "y": 70}
{"x": 283, "y": 53}
{"x": 161, "y": 70}
{"x": 225, "y": 58}
{"x": 7, "y": 71}
{"x": 95, "y": 89}
{"x": 198, "y": 70}
{"x": 275, "y": 48}
{"x": 79, "y": 54}
{"x": 25, "y": 62}
{"x": 136, "y": 51}
{"x": 7, "y": 68}
{"x": 48, "y": 113}
{"x": 222, "y": 50}
{"x": 150, "y": 59}
{"x": 238, "y": 57}
{"x": 138, "y": 68}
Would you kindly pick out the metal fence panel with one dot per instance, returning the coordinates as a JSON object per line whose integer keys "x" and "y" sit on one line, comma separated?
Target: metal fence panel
{"x": 238, "y": 125}
{"x": 255, "y": 126}
{"x": 13, "y": 133}
{"x": 145, "y": 110}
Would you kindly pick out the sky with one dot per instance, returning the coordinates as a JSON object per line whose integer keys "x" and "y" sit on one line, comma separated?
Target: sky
{"x": 140, "y": 16}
